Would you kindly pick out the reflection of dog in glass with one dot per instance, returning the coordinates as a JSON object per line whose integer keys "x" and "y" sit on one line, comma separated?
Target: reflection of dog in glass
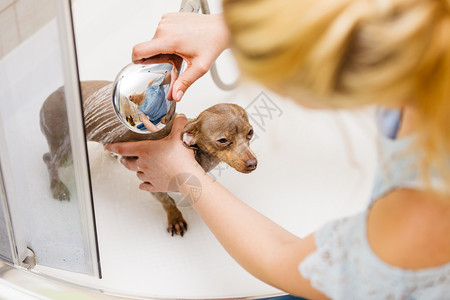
{"x": 152, "y": 102}
{"x": 220, "y": 133}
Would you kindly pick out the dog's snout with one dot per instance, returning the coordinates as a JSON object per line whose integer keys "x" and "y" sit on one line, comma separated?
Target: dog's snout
{"x": 251, "y": 164}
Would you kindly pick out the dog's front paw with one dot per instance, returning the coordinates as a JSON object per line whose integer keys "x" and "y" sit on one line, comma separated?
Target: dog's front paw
{"x": 177, "y": 225}
{"x": 60, "y": 191}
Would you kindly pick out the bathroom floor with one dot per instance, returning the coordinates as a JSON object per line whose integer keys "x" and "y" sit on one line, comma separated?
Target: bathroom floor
{"x": 313, "y": 166}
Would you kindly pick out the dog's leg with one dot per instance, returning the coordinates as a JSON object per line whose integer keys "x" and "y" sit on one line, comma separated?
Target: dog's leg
{"x": 175, "y": 221}
{"x": 59, "y": 189}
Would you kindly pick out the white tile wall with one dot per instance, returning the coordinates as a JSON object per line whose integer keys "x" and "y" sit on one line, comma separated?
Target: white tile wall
{"x": 19, "y": 19}
{"x": 33, "y": 14}
{"x": 9, "y": 34}
{"x": 5, "y": 3}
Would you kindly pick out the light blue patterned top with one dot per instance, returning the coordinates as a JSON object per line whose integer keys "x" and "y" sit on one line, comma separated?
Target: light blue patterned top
{"x": 345, "y": 267}
{"x": 155, "y": 105}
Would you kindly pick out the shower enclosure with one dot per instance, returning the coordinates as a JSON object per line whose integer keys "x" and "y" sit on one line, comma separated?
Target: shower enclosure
{"x": 109, "y": 240}
{"x": 61, "y": 236}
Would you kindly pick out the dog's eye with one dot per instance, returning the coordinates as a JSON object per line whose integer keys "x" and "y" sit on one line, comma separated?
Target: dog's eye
{"x": 250, "y": 132}
{"x": 222, "y": 140}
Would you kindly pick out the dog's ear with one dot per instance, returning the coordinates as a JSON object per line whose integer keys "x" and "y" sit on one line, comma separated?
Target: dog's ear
{"x": 188, "y": 135}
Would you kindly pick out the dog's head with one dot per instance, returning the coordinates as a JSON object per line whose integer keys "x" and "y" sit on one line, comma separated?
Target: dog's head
{"x": 224, "y": 132}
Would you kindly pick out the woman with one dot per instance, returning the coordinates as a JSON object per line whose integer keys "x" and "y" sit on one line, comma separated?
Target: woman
{"x": 329, "y": 54}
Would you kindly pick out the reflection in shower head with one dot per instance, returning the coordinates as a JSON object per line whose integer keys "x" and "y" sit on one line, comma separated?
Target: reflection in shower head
{"x": 140, "y": 96}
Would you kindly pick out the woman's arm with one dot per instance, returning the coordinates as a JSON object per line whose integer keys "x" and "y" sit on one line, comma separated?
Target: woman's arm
{"x": 262, "y": 247}
{"x": 147, "y": 123}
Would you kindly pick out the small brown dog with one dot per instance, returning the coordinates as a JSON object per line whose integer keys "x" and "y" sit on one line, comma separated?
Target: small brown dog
{"x": 220, "y": 133}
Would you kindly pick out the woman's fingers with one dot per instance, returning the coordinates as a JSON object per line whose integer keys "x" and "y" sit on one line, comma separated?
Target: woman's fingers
{"x": 141, "y": 176}
{"x": 143, "y": 51}
{"x": 172, "y": 59}
{"x": 147, "y": 186}
{"x": 187, "y": 78}
{"x": 131, "y": 163}
{"x": 178, "y": 125}
{"x": 130, "y": 149}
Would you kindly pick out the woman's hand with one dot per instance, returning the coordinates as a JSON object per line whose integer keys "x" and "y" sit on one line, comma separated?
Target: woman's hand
{"x": 157, "y": 162}
{"x": 198, "y": 39}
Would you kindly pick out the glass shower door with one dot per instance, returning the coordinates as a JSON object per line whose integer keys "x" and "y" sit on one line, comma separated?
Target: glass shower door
{"x": 51, "y": 191}
{"x": 5, "y": 247}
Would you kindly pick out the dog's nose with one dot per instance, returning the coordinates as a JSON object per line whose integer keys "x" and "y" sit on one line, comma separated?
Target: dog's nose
{"x": 251, "y": 164}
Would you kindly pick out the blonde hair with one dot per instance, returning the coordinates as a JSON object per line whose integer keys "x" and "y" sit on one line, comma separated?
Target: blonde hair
{"x": 347, "y": 53}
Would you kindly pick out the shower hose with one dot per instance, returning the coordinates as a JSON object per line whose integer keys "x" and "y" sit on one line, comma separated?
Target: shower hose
{"x": 195, "y": 6}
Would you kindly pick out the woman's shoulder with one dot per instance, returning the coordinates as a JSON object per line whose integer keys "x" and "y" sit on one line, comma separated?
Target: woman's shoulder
{"x": 409, "y": 229}
{"x": 398, "y": 248}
